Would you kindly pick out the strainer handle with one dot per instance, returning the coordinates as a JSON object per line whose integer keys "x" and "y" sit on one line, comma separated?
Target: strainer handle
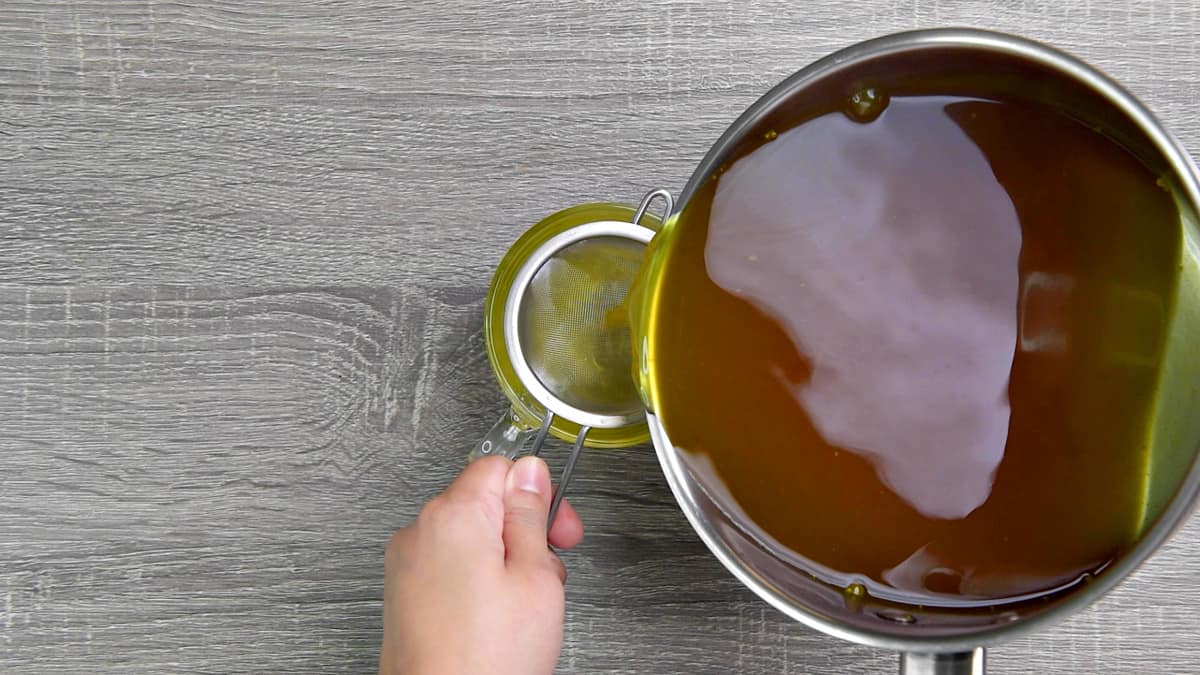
{"x": 506, "y": 438}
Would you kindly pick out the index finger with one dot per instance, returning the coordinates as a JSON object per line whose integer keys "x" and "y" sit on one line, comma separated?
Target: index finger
{"x": 567, "y": 529}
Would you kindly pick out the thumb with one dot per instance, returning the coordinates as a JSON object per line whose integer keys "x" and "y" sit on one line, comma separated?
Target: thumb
{"x": 526, "y": 506}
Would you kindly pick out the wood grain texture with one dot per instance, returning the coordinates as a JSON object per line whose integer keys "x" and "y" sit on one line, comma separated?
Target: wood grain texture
{"x": 243, "y": 251}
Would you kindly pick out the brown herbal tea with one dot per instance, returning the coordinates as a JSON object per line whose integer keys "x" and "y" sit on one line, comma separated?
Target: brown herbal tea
{"x": 917, "y": 339}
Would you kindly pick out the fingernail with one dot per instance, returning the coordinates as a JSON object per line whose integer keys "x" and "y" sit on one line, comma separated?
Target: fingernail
{"x": 526, "y": 474}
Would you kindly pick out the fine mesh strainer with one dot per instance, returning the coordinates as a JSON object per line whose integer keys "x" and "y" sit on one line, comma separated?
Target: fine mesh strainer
{"x": 557, "y": 305}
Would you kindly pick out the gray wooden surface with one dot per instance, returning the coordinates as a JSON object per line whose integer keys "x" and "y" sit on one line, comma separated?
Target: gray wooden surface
{"x": 243, "y": 250}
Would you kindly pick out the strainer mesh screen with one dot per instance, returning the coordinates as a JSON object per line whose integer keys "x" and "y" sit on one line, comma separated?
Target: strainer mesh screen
{"x": 574, "y": 327}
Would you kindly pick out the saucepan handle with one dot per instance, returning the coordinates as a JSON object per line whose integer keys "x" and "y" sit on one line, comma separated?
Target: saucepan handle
{"x": 952, "y": 663}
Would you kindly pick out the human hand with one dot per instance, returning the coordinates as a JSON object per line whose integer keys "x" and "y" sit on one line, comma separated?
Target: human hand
{"x": 471, "y": 586}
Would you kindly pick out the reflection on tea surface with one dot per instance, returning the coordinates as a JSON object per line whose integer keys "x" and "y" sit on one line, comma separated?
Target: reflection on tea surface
{"x": 919, "y": 347}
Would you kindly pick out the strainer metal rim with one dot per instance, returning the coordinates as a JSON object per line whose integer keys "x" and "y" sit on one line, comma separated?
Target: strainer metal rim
{"x": 512, "y": 306}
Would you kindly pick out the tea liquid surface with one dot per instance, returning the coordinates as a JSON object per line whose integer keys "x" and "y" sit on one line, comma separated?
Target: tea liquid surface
{"x": 919, "y": 349}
